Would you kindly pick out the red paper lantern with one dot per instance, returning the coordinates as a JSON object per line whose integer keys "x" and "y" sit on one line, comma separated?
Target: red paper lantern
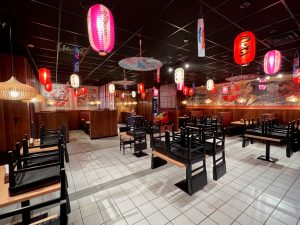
{"x": 244, "y": 48}
{"x": 143, "y": 95}
{"x": 44, "y": 76}
{"x": 77, "y": 92}
{"x": 155, "y": 92}
{"x": 272, "y": 62}
{"x": 225, "y": 89}
{"x": 180, "y": 86}
{"x": 83, "y": 90}
{"x": 101, "y": 29}
{"x": 191, "y": 91}
{"x": 214, "y": 90}
{"x": 262, "y": 84}
{"x": 48, "y": 87}
{"x": 185, "y": 90}
{"x": 141, "y": 88}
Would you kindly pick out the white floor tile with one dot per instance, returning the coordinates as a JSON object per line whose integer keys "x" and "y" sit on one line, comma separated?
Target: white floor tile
{"x": 170, "y": 212}
{"x": 221, "y": 218}
{"x": 182, "y": 219}
{"x": 195, "y": 215}
{"x": 157, "y": 219}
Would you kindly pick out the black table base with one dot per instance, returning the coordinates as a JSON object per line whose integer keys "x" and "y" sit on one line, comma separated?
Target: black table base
{"x": 140, "y": 154}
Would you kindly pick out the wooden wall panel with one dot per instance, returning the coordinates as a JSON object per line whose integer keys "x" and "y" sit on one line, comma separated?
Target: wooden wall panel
{"x": 52, "y": 120}
{"x": 285, "y": 115}
{"x": 14, "y": 115}
{"x": 103, "y": 123}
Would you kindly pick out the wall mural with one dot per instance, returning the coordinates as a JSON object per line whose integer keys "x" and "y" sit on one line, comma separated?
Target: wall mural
{"x": 60, "y": 95}
{"x": 91, "y": 95}
{"x": 273, "y": 92}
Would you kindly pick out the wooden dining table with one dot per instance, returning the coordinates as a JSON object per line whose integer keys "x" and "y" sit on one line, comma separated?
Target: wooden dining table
{"x": 6, "y": 199}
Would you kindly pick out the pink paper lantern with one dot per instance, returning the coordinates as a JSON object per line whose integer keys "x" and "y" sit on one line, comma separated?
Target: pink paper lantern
{"x": 262, "y": 84}
{"x": 180, "y": 86}
{"x": 225, "y": 89}
{"x": 272, "y": 62}
{"x": 122, "y": 95}
{"x": 101, "y": 29}
{"x": 155, "y": 92}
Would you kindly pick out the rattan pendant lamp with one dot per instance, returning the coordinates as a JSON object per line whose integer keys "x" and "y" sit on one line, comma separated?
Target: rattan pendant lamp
{"x": 14, "y": 89}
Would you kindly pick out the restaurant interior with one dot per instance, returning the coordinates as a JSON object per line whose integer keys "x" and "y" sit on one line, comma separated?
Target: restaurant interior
{"x": 150, "y": 112}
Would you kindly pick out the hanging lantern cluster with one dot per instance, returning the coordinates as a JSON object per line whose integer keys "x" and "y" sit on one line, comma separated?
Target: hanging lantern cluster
{"x": 272, "y": 62}
{"x": 210, "y": 84}
{"x": 296, "y": 69}
{"x": 262, "y": 84}
{"x": 83, "y": 90}
{"x": 179, "y": 75}
{"x": 101, "y": 29}
{"x": 185, "y": 91}
{"x": 244, "y": 48}
{"x": 133, "y": 94}
{"x": 141, "y": 88}
{"x": 74, "y": 78}
{"x": 45, "y": 78}
{"x": 111, "y": 88}
{"x": 80, "y": 91}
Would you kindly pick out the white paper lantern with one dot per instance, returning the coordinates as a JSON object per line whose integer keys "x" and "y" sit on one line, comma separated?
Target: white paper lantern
{"x": 133, "y": 94}
{"x": 210, "y": 84}
{"x": 179, "y": 75}
{"x": 111, "y": 88}
{"x": 74, "y": 79}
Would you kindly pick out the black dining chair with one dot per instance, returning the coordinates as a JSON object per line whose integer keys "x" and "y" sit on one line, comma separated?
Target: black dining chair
{"x": 63, "y": 202}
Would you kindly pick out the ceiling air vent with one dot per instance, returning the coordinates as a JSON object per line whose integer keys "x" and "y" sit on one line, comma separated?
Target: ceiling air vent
{"x": 284, "y": 38}
{"x": 68, "y": 48}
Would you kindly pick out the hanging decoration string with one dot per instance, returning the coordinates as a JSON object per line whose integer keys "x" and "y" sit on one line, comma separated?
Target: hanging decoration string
{"x": 58, "y": 39}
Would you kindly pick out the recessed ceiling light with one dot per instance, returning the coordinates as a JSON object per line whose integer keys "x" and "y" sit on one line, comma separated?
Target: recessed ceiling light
{"x": 186, "y": 41}
{"x": 30, "y": 45}
{"x": 187, "y": 65}
{"x": 170, "y": 69}
{"x": 280, "y": 75}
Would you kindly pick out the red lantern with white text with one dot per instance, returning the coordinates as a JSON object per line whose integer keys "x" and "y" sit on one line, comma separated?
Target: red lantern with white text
{"x": 191, "y": 91}
{"x": 44, "y": 76}
{"x": 101, "y": 29}
{"x": 141, "y": 88}
{"x": 272, "y": 62}
{"x": 185, "y": 90}
{"x": 48, "y": 87}
{"x": 214, "y": 90}
{"x": 83, "y": 90}
{"x": 143, "y": 95}
{"x": 244, "y": 48}
{"x": 297, "y": 79}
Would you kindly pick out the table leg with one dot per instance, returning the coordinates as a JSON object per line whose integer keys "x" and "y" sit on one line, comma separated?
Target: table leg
{"x": 25, "y": 213}
{"x": 267, "y": 156}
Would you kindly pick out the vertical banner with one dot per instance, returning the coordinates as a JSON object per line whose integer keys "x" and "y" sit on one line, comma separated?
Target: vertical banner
{"x": 158, "y": 75}
{"x": 296, "y": 65}
{"x": 76, "y": 60}
{"x": 201, "y": 38}
{"x": 155, "y": 106}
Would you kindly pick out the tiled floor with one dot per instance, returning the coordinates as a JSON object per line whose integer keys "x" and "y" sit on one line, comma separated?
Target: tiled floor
{"x": 107, "y": 187}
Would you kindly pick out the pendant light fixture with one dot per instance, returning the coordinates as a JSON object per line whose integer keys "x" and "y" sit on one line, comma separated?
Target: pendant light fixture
{"x": 210, "y": 84}
{"x": 111, "y": 88}
{"x": 133, "y": 94}
{"x": 179, "y": 75}
{"x": 74, "y": 78}
{"x": 13, "y": 89}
